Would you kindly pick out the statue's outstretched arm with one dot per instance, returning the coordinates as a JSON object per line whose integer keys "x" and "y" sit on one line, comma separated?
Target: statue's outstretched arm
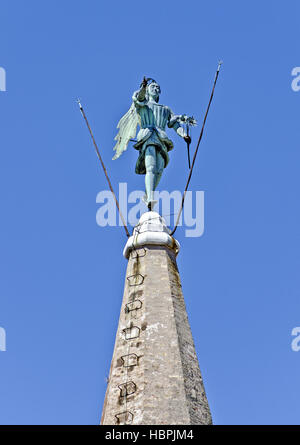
{"x": 139, "y": 98}
{"x": 174, "y": 122}
{"x": 140, "y": 95}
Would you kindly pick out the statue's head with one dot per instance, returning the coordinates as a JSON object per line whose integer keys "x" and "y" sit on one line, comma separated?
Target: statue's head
{"x": 153, "y": 91}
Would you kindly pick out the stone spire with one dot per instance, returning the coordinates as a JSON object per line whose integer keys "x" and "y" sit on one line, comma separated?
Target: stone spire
{"x": 154, "y": 377}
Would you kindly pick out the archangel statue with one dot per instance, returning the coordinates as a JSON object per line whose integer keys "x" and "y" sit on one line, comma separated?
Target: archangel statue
{"x": 152, "y": 141}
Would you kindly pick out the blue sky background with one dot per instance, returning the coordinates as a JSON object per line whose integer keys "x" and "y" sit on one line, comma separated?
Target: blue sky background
{"x": 62, "y": 276}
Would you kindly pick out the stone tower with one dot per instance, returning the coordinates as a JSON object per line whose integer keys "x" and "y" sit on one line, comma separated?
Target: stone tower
{"x": 154, "y": 377}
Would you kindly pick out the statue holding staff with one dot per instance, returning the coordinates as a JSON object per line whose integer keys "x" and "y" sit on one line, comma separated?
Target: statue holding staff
{"x": 152, "y": 141}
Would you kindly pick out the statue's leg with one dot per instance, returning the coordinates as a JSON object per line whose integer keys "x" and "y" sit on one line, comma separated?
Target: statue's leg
{"x": 150, "y": 164}
{"x": 160, "y": 165}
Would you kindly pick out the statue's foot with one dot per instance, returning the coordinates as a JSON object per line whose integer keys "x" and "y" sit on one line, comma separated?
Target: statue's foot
{"x": 149, "y": 203}
{"x": 145, "y": 200}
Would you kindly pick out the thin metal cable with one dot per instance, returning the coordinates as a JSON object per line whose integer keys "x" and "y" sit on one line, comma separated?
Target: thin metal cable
{"x": 197, "y": 147}
{"x": 103, "y": 166}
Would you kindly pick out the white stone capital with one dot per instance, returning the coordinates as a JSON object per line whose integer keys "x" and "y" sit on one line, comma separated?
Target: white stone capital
{"x": 151, "y": 230}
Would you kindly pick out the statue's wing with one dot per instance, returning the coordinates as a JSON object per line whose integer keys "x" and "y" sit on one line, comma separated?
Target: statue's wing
{"x": 127, "y": 130}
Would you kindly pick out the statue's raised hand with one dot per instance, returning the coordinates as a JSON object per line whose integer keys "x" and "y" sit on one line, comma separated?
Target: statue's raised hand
{"x": 144, "y": 82}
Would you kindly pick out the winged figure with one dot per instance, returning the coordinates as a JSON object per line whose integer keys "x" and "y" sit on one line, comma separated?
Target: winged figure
{"x": 152, "y": 141}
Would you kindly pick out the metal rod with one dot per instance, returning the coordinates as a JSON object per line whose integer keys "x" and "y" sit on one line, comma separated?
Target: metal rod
{"x": 188, "y": 145}
{"x": 103, "y": 166}
{"x": 196, "y": 151}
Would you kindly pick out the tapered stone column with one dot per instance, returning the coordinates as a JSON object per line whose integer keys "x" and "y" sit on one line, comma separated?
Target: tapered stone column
{"x": 154, "y": 377}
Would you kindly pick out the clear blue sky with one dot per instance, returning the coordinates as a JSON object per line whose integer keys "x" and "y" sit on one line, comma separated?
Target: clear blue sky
{"x": 62, "y": 276}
